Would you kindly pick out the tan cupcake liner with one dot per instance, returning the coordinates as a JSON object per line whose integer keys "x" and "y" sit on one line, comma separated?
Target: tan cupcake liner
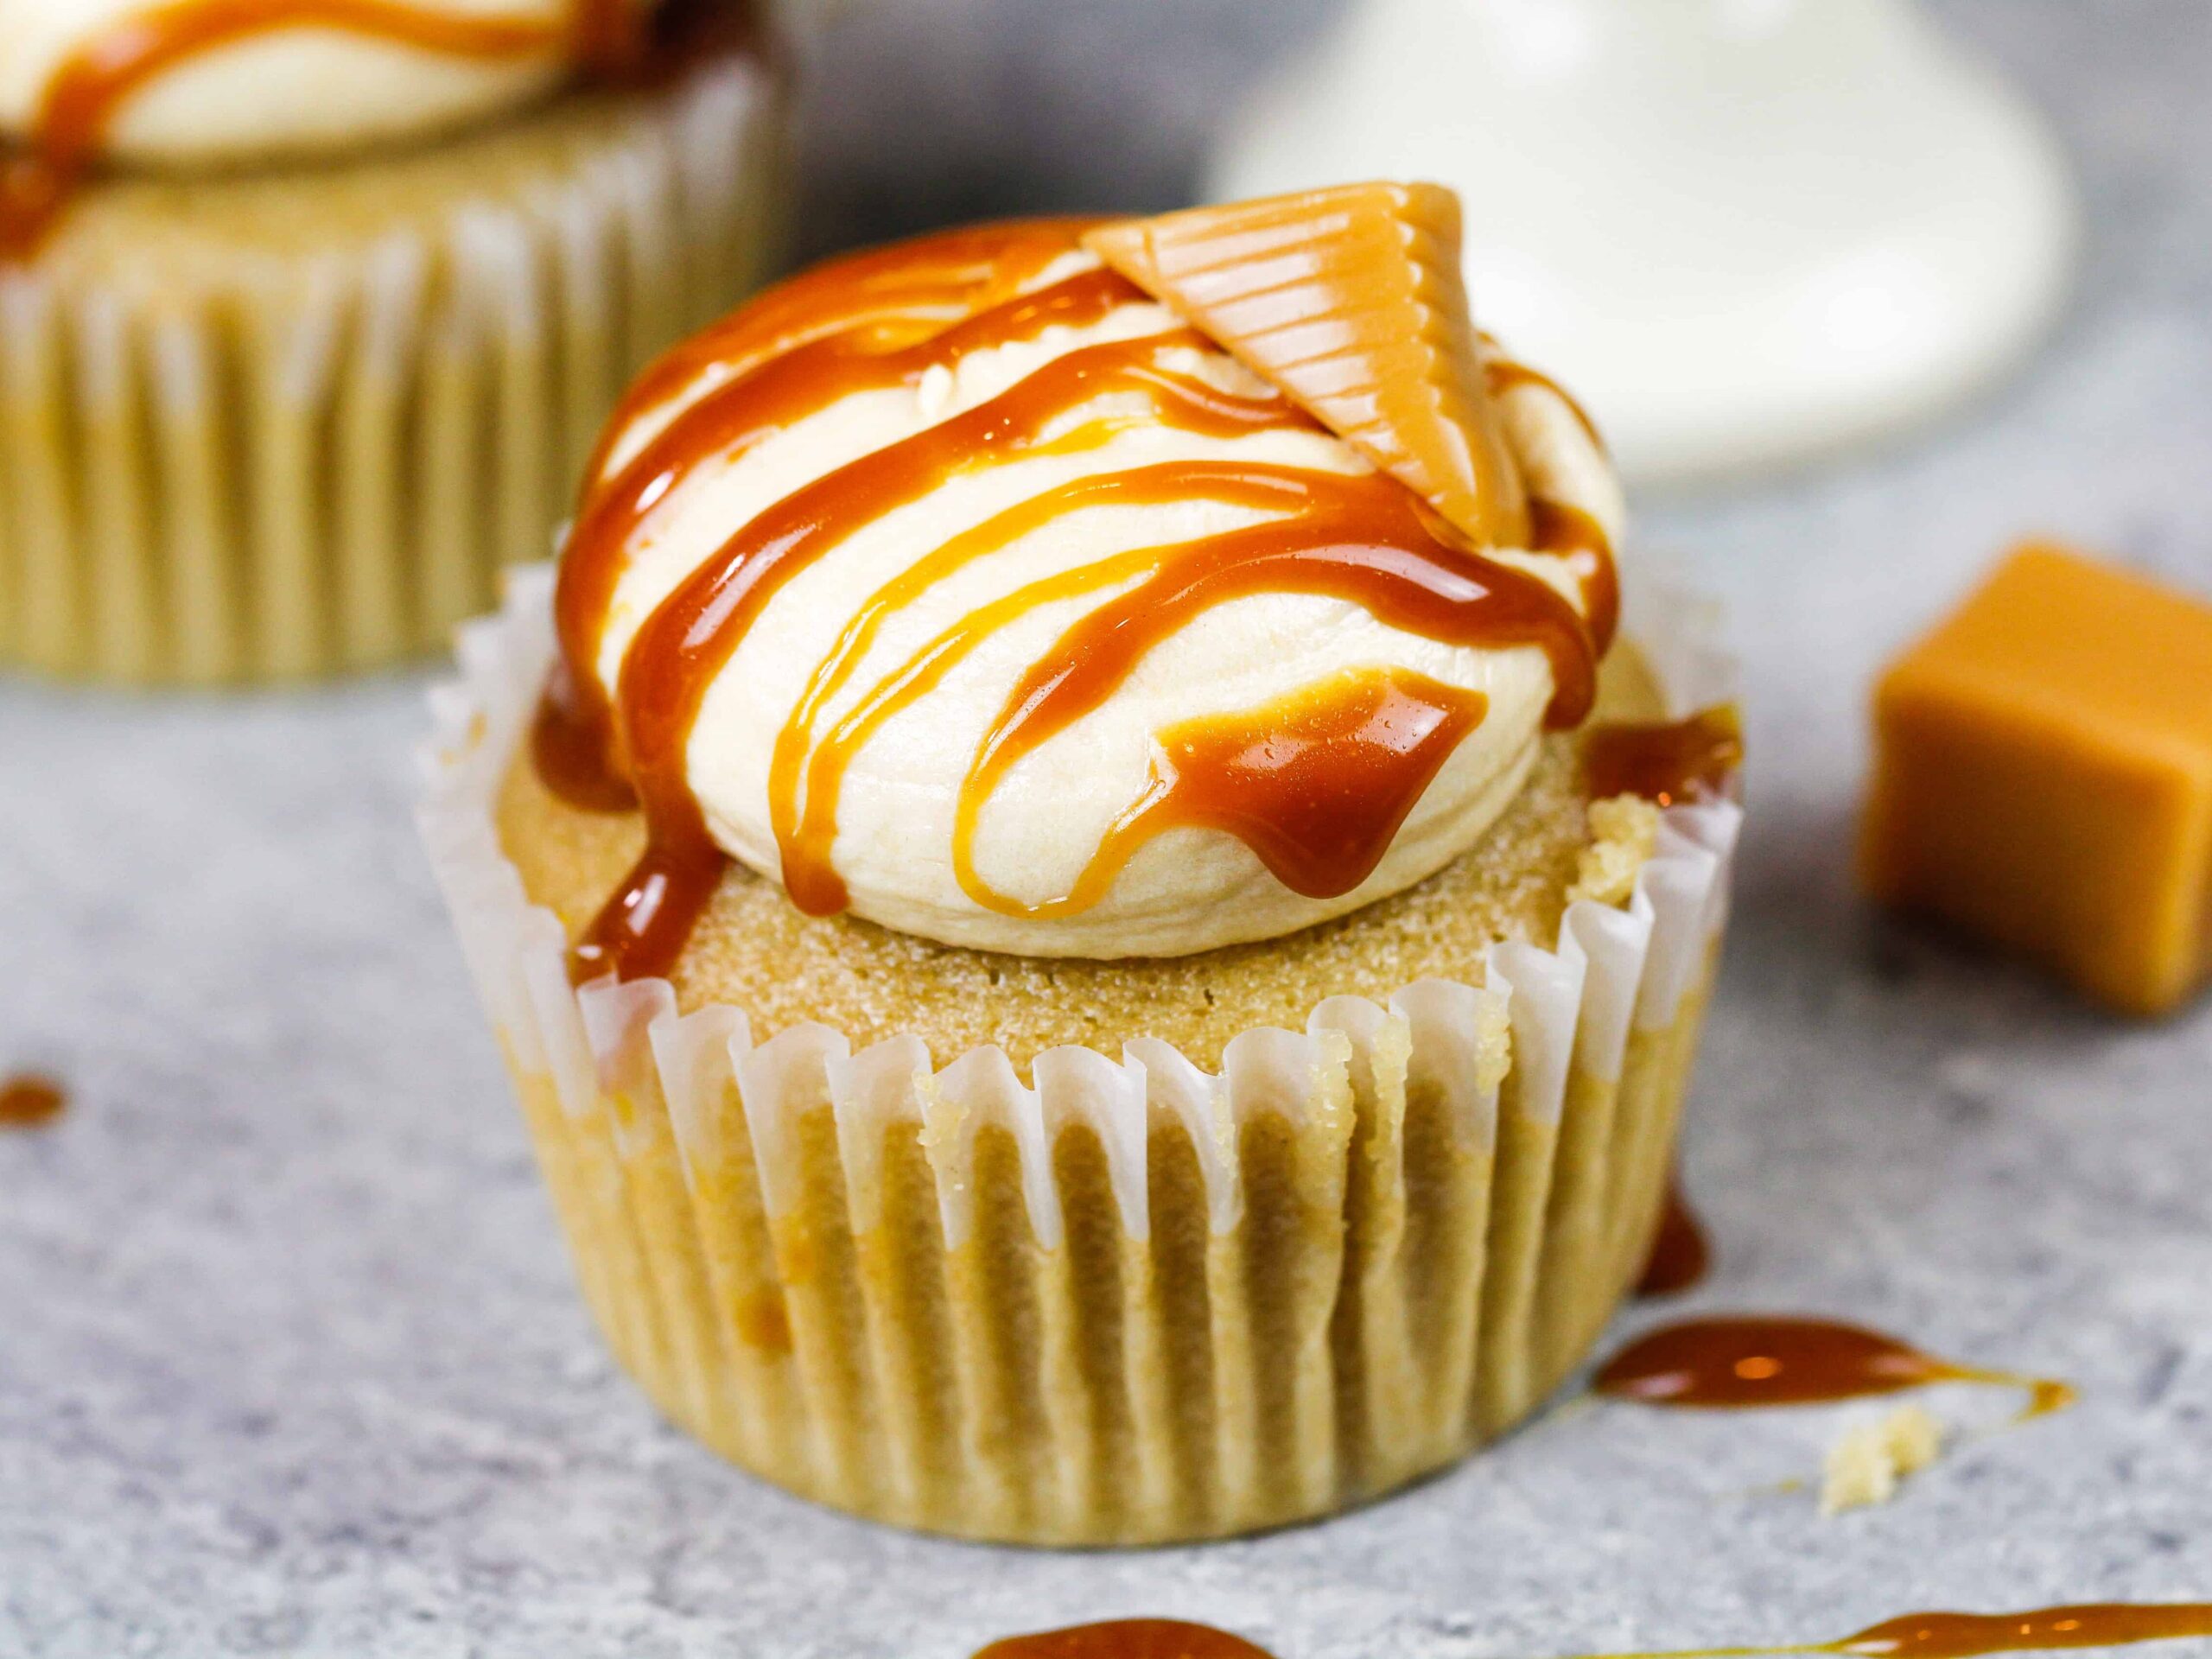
{"x": 1132, "y": 1300}
{"x": 277, "y": 426}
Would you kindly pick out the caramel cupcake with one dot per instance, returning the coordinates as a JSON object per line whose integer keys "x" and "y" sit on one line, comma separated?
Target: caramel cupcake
{"x": 310, "y": 312}
{"x": 1100, "y": 940}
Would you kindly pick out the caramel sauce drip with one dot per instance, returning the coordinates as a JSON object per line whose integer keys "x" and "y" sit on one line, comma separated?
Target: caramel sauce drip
{"x": 1503, "y": 374}
{"x": 89, "y": 86}
{"x": 1316, "y": 783}
{"x": 29, "y": 1101}
{"x": 883, "y": 321}
{"x": 1967, "y": 1636}
{"x": 1692, "y": 760}
{"x": 1356, "y": 542}
{"x": 777, "y": 370}
{"x": 1350, "y": 299}
{"x": 1127, "y": 1638}
{"x": 1680, "y": 1257}
{"x": 810, "y": 767}
{"x": 568, "y": 748}
{"x": 1570, "y": 534}
{"x": 1775, "y": 1361}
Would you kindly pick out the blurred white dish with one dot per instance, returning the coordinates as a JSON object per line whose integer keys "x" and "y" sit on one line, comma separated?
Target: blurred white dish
{"x": 1745, "y": 230}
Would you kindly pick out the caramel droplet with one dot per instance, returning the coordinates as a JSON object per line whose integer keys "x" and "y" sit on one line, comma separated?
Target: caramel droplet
{"x": 1127, "y": 1638}
{"x": 1679, "y": 1255}
{"x": 1692, "y": 760}
{"x": 28, "y": 1100}
{"x": 1350, "y": 301}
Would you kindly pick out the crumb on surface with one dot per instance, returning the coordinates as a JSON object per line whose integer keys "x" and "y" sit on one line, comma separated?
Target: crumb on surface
{"x": 1864, "y": 1467}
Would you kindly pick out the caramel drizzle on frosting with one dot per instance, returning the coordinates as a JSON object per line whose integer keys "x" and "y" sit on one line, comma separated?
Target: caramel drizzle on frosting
{"x": 91, "y": 85}
{"x": 1503, "y": 374}
{"x": 1316, "y": 783}
{"x": 1364, "y": 747}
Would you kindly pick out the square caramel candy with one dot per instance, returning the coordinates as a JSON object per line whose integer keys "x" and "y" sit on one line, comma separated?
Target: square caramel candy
{"x": 2042, "y": 776}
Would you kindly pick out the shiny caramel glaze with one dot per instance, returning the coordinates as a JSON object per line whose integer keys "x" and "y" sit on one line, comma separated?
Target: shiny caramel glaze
{"x": 862, "y": 323}
{"x": 1127, "y": 1638}
{"x": 568, "y": 748}
{"x": 1967, "y": 1636}
{"x": 1680, "y": 1254}
{"x": 1350, "y": 299}
{"x": 1760, "y": 1360}
{"x": 1572, "y": 534}
{"x": 884, "y": 320}
{"x": 1691, "y": 759}
{"x": 89, "y": 88}
{"x": 2091, "y": 1624}
{"x": 1908, "y": 1636}
{"x": 1316, "y": 783}
{"x": 29, "y": 1100}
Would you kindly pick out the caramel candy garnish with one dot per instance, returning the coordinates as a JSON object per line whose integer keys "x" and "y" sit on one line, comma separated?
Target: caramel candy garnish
{"x": 2042, "y": 776}
{"x": 1349, "y": 300}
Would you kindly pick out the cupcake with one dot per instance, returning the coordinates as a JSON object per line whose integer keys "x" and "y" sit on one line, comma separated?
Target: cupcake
{"x": 310, "y": 313}
{"x": 1099, "y": 938}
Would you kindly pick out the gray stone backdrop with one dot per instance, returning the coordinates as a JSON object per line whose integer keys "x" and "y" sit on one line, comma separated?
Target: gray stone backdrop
{"x": 290, "y": 1364}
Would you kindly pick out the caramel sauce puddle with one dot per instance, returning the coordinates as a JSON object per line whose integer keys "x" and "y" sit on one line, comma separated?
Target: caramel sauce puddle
{"x": 1909, "y": 1636}
{"x": 1965, "y": 1635}
{"x": 29, "y": 1100}
{"x": 1127, "y": 1638}
{"x": 1733, "y": 1362}
{"x": 1681, "y": 1255}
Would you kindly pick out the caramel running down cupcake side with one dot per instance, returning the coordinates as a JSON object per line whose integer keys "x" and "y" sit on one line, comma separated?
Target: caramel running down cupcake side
{"x": 1042, "y": 842}
{"x": 307, "y": 307}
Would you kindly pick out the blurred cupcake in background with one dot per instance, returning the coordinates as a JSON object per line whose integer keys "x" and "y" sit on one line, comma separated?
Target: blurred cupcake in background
{"x": 310, "y": 309}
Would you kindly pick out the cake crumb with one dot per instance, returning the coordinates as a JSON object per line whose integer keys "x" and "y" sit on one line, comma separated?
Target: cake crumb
{"x": 1493, "y": 1044}
{"x": 1864, "y": 1467}
{"x": 1624, "y": 833}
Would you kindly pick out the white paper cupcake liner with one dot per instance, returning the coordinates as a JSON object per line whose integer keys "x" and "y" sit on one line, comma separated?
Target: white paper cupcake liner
{"x": 1129, "y": 1300}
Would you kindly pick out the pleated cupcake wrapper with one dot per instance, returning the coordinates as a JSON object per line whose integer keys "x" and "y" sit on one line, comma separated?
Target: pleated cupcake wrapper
{"x": 1130, "y": 1300}
{"x": 307, "y": 464}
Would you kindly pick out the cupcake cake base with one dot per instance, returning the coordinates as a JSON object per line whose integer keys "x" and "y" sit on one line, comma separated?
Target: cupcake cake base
{"x": 280, "y": 424}
{"x": 1279, "y": 1257}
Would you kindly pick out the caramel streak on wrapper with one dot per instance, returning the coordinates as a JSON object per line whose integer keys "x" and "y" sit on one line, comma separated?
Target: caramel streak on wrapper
{"x": 1126, "y": 1298}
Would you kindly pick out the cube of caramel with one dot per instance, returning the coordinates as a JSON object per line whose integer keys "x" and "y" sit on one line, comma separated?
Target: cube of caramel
{"x": 2042, "y": 776}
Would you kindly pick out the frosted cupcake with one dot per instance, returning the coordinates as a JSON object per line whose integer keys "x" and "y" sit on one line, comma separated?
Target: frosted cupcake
{"x": 1099, "y": 939}
{"x": 310, "y": 309}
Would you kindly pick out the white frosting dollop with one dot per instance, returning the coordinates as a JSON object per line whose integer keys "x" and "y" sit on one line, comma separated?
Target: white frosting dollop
{"x": 286, "y": 90}
{"x": 1189, "y": 889}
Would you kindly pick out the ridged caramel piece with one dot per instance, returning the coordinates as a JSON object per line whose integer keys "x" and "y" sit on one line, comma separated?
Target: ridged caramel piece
{"x": 1350, "y": 299}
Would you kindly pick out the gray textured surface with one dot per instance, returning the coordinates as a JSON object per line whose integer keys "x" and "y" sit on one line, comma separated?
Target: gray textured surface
{"x": 288, "y": 1360}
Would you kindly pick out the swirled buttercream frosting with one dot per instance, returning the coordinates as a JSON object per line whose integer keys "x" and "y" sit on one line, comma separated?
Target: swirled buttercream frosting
{"x": 973, "y": 587}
